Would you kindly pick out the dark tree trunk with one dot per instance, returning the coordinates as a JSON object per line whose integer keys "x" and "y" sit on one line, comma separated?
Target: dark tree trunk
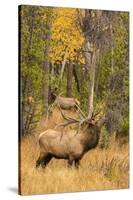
{"x": 76, "y": 78}
{"x": 29, "y": 56}
{"x": 47, "y": 36}
{"x": 112, "y": 48}
{"x": 26, "y": 81}
{"x": 69, "y": 79}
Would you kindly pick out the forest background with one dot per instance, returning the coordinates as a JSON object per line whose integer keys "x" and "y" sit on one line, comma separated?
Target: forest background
{"x": 76, "y": 53}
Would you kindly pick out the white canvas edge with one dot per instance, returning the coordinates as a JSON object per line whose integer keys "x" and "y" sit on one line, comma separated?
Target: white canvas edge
{"x": 9, "y": 97}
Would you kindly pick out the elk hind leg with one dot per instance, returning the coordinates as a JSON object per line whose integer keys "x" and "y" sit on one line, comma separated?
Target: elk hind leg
{"x": 77, "y": 163}
{"x": 70, "y": 161}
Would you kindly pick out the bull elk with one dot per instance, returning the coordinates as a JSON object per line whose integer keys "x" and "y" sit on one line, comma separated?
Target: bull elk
{"x": 70, "y": 146}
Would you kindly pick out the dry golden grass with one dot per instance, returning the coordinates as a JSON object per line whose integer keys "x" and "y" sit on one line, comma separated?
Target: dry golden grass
{"x": 99, "y": 170}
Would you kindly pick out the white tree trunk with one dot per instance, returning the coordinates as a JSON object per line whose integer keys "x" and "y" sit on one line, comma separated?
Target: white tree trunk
{"x": 63, "y": 65}
{"x": 92, "y": 84}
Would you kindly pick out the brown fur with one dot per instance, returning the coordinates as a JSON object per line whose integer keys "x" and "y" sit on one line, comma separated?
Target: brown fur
{"x": 66, "y": 102}
{"x": 70, "y": 146}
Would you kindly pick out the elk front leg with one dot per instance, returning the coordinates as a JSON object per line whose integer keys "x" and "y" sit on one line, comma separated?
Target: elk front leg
{"x": 46, "y": 160}
{"x": 41, "y": 158}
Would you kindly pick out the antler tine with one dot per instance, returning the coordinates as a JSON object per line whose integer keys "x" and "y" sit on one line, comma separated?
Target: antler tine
{"x": 93, "y": 115}
{"x": 79, "y": 126}
{"x": 68, "y": 118}
{"x": 67, "y": 123}
{"x": 96, "y": 114}
{"x": 81, "y": 112}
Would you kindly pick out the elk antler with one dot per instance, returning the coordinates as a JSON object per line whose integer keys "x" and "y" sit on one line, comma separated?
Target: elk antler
{"x": 81, "y": 112}
{"x": 70, "y": 120}
{"x": 67, "y": 117}
{"x": 97, "y": 113}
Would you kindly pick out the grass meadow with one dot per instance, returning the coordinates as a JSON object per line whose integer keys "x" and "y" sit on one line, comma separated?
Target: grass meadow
{"x": 100, "y": 169}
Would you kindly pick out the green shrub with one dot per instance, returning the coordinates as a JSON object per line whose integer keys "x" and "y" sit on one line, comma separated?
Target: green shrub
{"x": 104, "y": 139}
{"x": 123, "y": 127}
